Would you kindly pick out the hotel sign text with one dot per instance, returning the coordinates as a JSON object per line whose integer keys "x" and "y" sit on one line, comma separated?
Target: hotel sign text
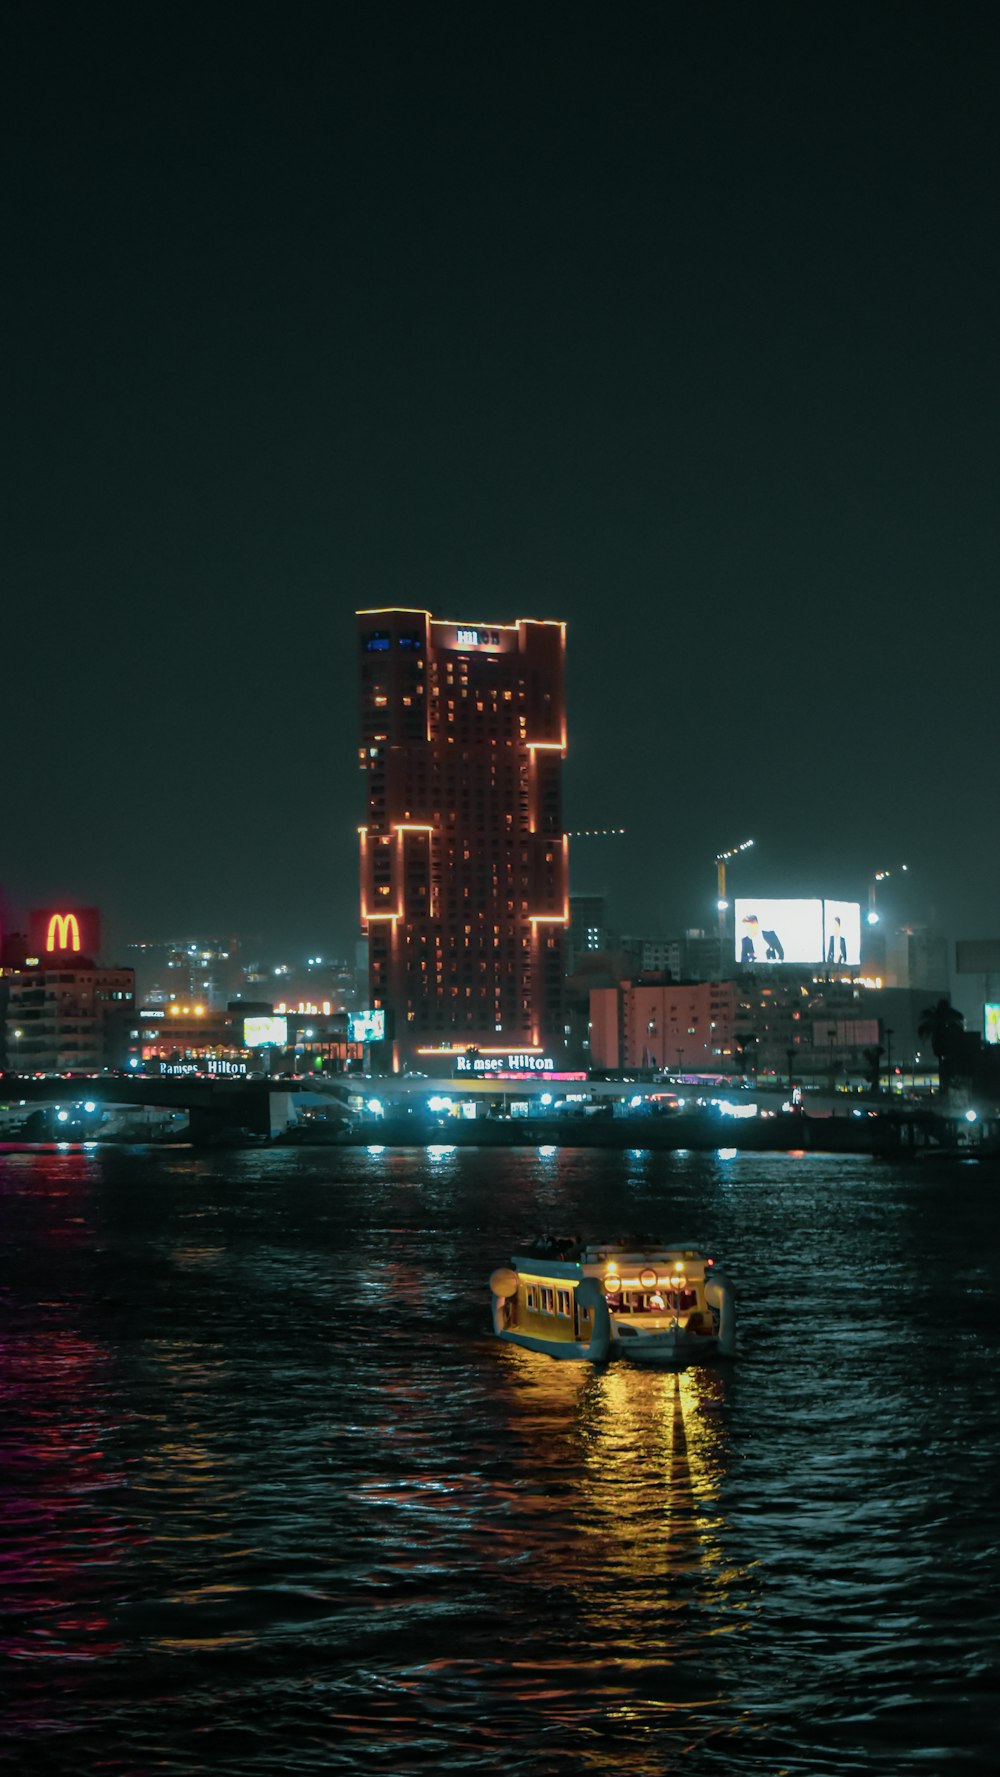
{"x": 504, "y": 1064}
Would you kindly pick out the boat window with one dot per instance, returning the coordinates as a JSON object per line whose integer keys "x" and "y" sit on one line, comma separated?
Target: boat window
{"x": 532, "y": 1296}
{"x": 563, "y": 1302}
{"x": 548, "y": 1300}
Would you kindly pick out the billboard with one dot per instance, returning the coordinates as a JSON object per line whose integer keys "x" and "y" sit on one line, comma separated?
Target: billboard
{"x": 991, "y": 1022}
{"x": 842, "y": 932}
{"x": 779, "y": 931}
{"x": 259, "y": 1032}
{"x": 366, "y": 1027}
{"x": 977, "y": 956}
{"x": 798, "y": 931}
{"x": 64, "y": 932}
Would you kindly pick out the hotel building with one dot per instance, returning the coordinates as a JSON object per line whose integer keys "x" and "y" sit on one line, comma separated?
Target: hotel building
{"x": 464, "y": 869}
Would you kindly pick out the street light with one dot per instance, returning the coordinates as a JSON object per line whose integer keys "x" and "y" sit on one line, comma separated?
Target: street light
{"x": 18, "y": 1034}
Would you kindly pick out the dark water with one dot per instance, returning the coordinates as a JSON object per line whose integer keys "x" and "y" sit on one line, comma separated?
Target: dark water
{"x": 274, "y": 1501}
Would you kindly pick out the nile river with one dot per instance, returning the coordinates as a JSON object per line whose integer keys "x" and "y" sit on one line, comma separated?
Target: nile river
{"x": 275, "y": 1501}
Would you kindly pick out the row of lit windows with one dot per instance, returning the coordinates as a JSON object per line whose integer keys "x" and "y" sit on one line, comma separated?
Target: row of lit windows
{"x": 541, "y": 1299}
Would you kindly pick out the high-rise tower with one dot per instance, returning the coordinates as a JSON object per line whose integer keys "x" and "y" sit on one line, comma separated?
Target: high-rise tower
{"x": 464, "y": 870}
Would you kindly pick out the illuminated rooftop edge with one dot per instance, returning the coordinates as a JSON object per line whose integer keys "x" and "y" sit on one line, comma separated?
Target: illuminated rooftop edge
{"x": 454, "y": 622}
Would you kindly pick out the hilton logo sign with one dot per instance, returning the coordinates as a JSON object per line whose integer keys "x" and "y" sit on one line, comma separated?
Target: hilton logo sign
{"x": 64, "y": 931}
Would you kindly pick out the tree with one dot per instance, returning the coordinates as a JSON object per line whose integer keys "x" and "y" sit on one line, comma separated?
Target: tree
{"x": 872, "y": 1059}
{"x": 942, "y": 1025}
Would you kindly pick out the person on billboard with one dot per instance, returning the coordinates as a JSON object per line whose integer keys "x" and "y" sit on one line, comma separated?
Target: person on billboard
{"x": 837, "y": 942}
{"x": 774, "y": 949}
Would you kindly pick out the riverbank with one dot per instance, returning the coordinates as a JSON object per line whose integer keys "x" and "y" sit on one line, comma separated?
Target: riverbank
{"x": 886, "y": 1132}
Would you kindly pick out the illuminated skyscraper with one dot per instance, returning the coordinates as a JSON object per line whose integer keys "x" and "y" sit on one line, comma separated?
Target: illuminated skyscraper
{"x": 464, "y": 869}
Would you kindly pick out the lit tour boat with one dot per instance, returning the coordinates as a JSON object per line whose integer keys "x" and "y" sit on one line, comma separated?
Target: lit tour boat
{"x": 652, "y": 1305}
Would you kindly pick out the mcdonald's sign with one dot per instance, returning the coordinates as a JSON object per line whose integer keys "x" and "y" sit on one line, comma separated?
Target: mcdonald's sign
{"x": 64, "y": 931}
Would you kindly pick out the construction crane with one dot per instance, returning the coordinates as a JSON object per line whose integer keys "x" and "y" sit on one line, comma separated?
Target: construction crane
{"x": 597, "y": 833}
{"x": 879, "y": 876}
{"x": 722, "y": 858}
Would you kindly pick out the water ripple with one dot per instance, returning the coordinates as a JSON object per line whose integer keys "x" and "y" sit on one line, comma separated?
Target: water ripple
{"x": 274, "y": 1500}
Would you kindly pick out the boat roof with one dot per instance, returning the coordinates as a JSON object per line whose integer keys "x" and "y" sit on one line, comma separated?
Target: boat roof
{"x": 569, "y": 1251}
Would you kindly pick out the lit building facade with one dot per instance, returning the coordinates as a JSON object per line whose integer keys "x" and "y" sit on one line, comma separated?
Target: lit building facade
{"x": 193, "y": 969}
{"x": 64, "y": 1012}
{"x": 68, "y": 1019}
{"x": 464, "y": 868}
{"x": 689, "y": 1025}
{"x": 588, "y": 927}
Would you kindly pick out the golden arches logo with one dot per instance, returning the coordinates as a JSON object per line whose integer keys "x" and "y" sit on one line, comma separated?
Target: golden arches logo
{"x": 63, "y": 933}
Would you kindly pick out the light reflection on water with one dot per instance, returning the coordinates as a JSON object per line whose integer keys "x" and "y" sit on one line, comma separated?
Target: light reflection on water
{"x": 273, "y": 1499}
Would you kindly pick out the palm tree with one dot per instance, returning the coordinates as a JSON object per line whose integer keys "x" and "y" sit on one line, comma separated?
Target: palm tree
{"x": 942, "y": 1024}
{"x": 741, "y": 1045}
{"x": 872, "y": 1058}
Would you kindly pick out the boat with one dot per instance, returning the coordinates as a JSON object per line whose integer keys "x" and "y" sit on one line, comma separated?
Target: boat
{"x": 661, "y": 1305}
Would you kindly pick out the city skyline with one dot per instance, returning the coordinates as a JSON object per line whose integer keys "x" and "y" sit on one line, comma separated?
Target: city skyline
{"x": 499, "y": 942}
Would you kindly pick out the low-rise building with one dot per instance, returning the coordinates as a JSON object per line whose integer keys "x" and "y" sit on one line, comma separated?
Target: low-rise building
{"x": 68, "y": 1019}
{"x": 660, "y": 1024}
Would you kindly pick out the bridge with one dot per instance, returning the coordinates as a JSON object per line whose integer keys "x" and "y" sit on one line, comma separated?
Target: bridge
{"x": 215, "y": 1106}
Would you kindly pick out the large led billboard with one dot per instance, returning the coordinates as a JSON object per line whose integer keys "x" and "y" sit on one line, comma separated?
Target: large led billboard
{"x": 259, "y": 1032}
{"x": 779, "y": 932}
{"x": 991, "y": 1022}
{"x": 842, "y": 932}
{"x": 366, "y": 1027}
{"x": 805, "y": 931}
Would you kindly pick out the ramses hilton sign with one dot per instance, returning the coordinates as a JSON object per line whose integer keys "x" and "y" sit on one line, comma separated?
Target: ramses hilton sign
{"x": 504, "y": 1064}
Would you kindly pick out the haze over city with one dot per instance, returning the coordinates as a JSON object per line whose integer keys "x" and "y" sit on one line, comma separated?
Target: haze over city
{"x": 679, "y": 328}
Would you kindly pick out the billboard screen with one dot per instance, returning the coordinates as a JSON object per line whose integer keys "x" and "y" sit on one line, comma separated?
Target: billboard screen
{"x": 842, "y": 932}
{"x": 366, "y": 1027}
{"x": 64, "y": 931}
{"x": 977, "y": 956}
{"x": 779, "y": 932}
{"x": 258, "y": 1032}
{"x": 991, "y": 1022}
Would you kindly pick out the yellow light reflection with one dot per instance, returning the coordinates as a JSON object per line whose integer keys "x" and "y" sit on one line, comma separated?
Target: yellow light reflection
{"x": 636, "y": 1458}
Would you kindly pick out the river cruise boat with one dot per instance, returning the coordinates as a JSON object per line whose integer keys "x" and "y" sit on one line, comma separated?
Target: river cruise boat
{"x": 651, "y": 1305}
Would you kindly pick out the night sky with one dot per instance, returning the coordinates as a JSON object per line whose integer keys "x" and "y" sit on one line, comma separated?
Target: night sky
{"x": 680, "y": 322}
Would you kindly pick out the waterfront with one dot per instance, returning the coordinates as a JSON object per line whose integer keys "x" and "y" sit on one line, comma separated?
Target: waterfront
{"x": 274, "y": 1500}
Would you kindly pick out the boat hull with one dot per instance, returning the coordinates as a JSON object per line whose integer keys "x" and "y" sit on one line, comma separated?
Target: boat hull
{"x": 666, "y": 1350}
{"x": 568, "y": 1348}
